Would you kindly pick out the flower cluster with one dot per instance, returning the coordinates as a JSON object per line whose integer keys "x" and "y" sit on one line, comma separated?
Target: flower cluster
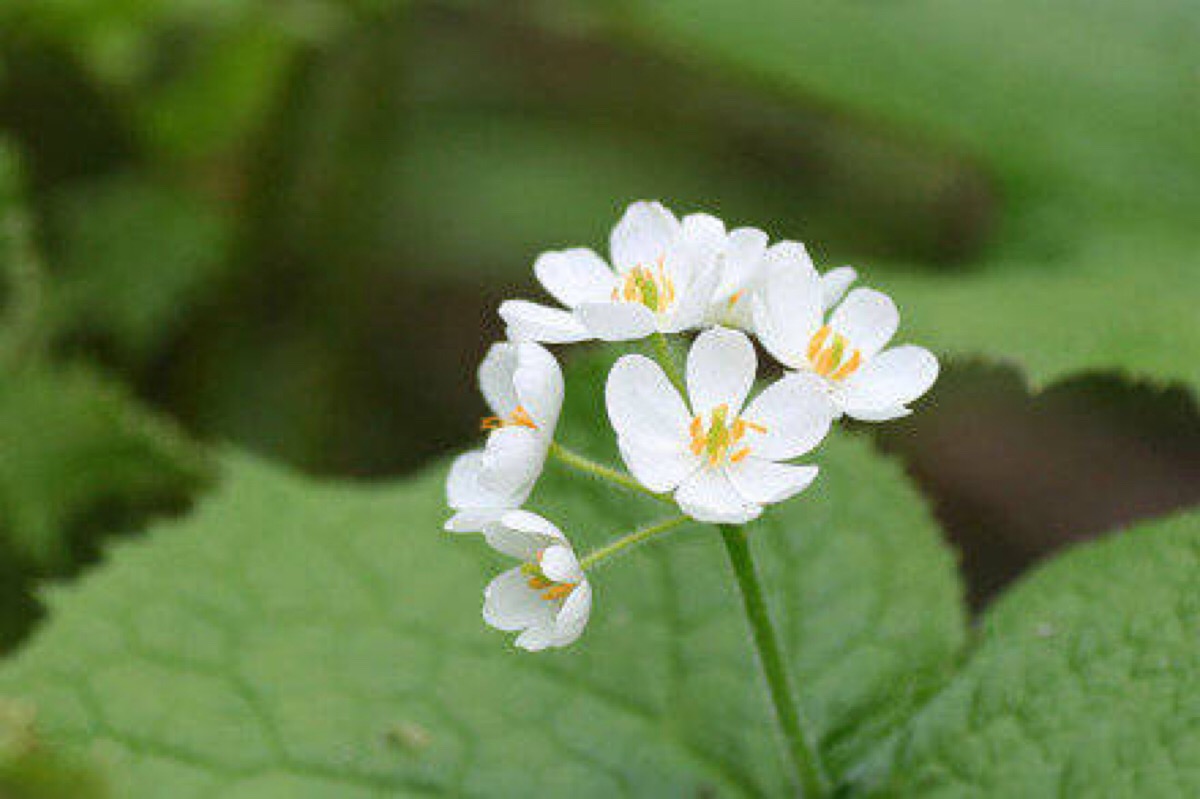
{"x": 693, "y": 437}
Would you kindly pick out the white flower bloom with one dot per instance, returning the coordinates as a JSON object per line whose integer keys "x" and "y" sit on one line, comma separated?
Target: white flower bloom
{"x": 847, "y": 352}
{"x": 523, "y": 385}
{"x": 548, "y": 597}
{"x": 661, "y": 279}
{"x": 721, "y": 460}
{"x": 835, "y": 283}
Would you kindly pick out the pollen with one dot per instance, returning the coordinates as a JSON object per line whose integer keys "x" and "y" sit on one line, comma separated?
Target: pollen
{"x": 518, "y": 418}
{"x": 548, "y": 589}
{"x": 721, "y": 440}
{"x": 827, "y": 355}
{"x": 649, "y": 286}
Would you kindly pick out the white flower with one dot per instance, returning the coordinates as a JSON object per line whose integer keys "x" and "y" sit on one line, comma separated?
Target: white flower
{"x": 720, "y": 459}
{"x": 660, "y": 279}
{"x": 548, "y": 597}
{"x": 523, "y": 385}
{"x": 865, "y": 380}
{"x": 834, "y": 285}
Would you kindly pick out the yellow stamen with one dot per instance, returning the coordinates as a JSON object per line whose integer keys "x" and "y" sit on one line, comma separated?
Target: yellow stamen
{"x": 558, "y": 591}
{"x": 649, "y": 286}
{"x": 827, "y": 361}
{"x": 734, "y": 299}
{"x": 849, "y": 367}
{"x": 518, "y": 418}
{"x": 818, "y": 341}
{"x": 719, "y": 442}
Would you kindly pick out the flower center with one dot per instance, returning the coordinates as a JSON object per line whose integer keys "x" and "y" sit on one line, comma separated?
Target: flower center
{"x": 538, "y": 581}
{"x": 828, "y": 357}
{"x": 721, "y": 440}
{"x": 518, "y": 418}
{"x": 647, "y": 286}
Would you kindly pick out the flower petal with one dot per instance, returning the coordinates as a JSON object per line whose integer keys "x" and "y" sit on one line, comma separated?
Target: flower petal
{"x": 509, "y": 603}
{"x": 464, "y": 491}
{"x": 695, "y": 292}
{"x": 888, "y": 382}
{"x": 658, "y": 468}
{"x": 709, "y": 496}
{"x": 617, "y": 321}
{"x": 538, "y": 383}
{"x": 835, "y": 283}
{"x": 529, "y": 321}
{"x": 512, "y": 460}
{"x": 720, "y": 370}
{"x": 644, "y": 235}
{"x": 496, "y": 378}
{"x": 764, "y": 482}
{"x": 535, "y": 639}
{"x": 868, "y": 319}
{"x": 521, "y": 534}
{"x": 796, "y": 412}
{"x": 560, "y": 564}
{"x": 573, "y": 616}
{"x": 743, "y": 262}
{"x": 790, "y": 257}
{"x": 787, "y": 312}
{"x": 575, "y": 276}
{"x": 643, "y": 406}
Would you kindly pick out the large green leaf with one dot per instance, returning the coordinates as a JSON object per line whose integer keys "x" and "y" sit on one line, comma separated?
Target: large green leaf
{"x": 1085, "y": 683}
{"x": 76, "y": 449}
{"x": 295, "y": 639}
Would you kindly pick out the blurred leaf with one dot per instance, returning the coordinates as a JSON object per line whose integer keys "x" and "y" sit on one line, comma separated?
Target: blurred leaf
{"x": 1121, "y": 300}
{"x": 22, "y": 330}
{"x": 30, "y": 770}
{"x": 75, "y": 447}
{"x": 1090, "y": 99}
{"x": 325, "y": 640}
{"x": 132, "y": 258}
{"x": 1085, "y": 682}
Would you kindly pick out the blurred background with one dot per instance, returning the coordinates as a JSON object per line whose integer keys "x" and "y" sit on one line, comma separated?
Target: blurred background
{"x": 286, "y": 226}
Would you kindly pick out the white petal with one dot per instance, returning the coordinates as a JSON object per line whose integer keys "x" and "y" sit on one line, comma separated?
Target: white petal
{"x": 790, "y": 257}
{"x": 720, "y": 370}
{"x": 744, "y": 260}
{"x": 694, "y": 296}
{"x": 521, "y": 534}
{"x": 764, "y": 482}
{"x": 512, "y": 460}
{"x": 835, "y": 283}
{"x": 787, "y": 312}
{"x": 529, "y": 321}
{"x": 575, "y": 276}
{"x": 496, "y": 378}
{"x": 868, "y": 318}
{"x": 885, "y": 414}
{"x": 464, "y": 491}
{"x": 560, "y": 565}
{"x": 644, "y": 235}
{"x": 658, "y": 468}
{"x": 888, "y": 382}
{"x": 617, "y": 321}
{"x": 538, "y": 381}
{"x": 573, "y": 616}
{"x": 708, "y": 496}
{"x": 510, "y": 604}
{"x": 703, "y": 235}
{"x": 473, "y": 521}
{"x": 796, "y": 412}
{"x": 643, "y": 406}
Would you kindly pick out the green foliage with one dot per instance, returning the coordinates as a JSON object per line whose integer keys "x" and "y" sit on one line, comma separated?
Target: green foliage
{"x": 1084, "y": 683}
{"x": 297, "y": 639}
{"x": 77, "y": 449}
{"x": 30, "y": 770}
{"x": 132, "y": 256}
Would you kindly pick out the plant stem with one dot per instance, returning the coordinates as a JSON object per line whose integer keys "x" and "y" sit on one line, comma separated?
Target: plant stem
{"x": 588, "y": 466}
{"x": 607, "y": 551}
{"x": 800, "y": 749}
{"x": 666, "y": 359}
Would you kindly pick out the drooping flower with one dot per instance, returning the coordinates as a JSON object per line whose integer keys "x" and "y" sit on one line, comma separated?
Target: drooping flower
{"x": 660, "y": 280}
{"x": 865, "y": 379}
{"x": 723, "y": 459}
{"x": 523, "y": 385}
{"x": 548, "y": 597}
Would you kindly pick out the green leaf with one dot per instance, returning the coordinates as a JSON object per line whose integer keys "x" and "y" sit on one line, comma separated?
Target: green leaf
{"x": 31, "y": 770}
{"x": 133, "y": 255}
{"x": 1085, "y": 683}
{"x": 75, "y": 448}
{"x": 298, "y": 639}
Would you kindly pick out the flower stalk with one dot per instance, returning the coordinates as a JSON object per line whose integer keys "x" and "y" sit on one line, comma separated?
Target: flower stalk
{"x": 635, "y": 538}
{"x": 590, "y": 467}
{"x": 801, "y": 750}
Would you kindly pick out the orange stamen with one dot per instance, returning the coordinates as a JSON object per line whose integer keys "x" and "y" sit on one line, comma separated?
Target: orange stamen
{"x": 558, "y": 591}
{"x": 817, "y": 342}
{"x": 849, "y": 367}
{"x": 740, "y": 455}
{"x": 518, "y": 418}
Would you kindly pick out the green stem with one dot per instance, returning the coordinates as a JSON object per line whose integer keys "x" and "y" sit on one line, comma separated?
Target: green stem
{"x": 800, "y": 749}
{"x": 590, "y": 467}
{"x": 666, "y": 359}
{"x": 607, "y": 551}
